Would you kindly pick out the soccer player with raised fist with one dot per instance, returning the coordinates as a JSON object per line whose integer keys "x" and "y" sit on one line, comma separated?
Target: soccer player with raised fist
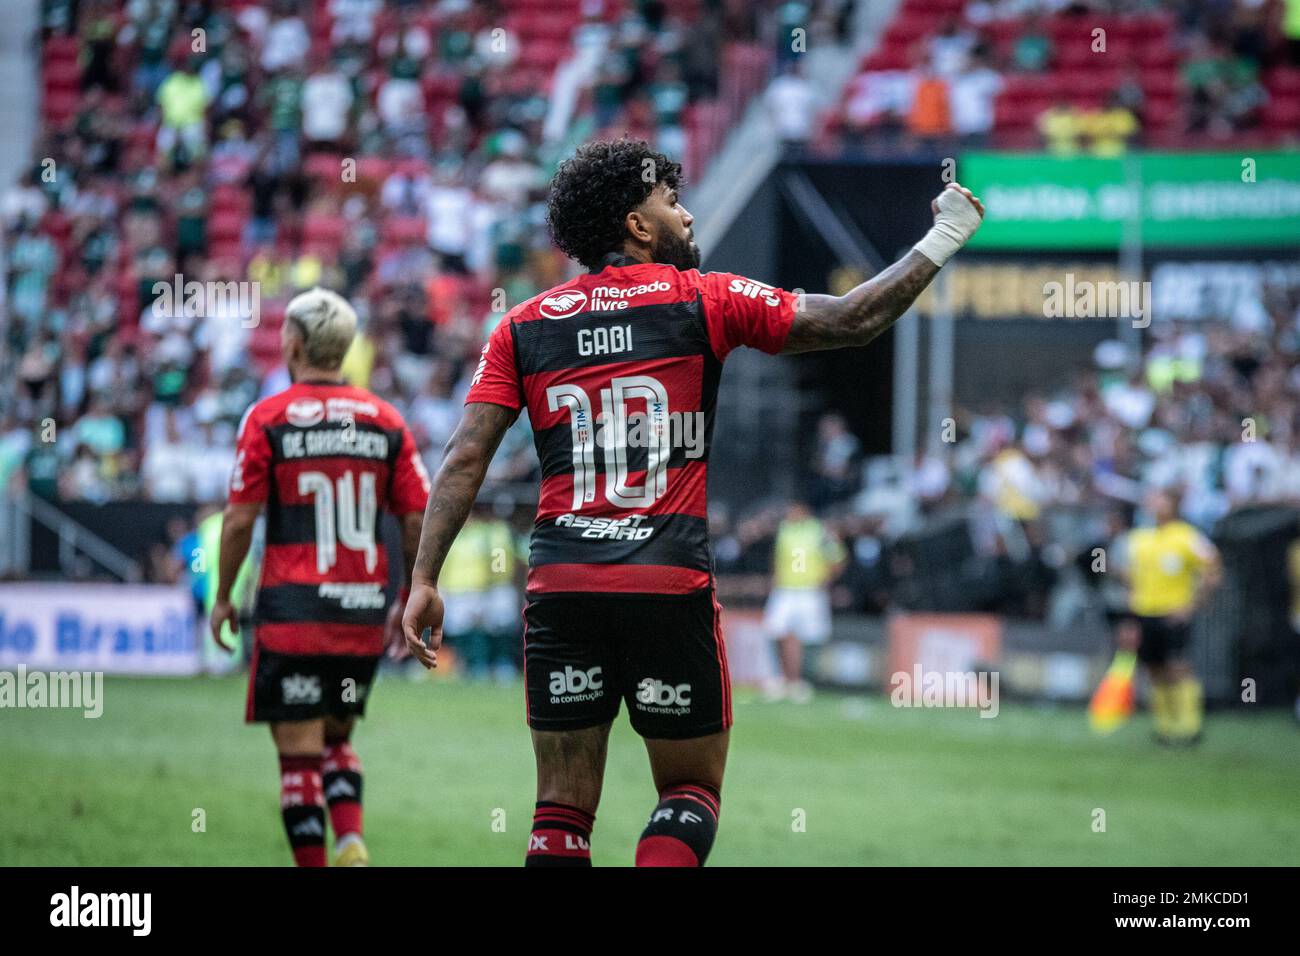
{"x": 618, "y": 369}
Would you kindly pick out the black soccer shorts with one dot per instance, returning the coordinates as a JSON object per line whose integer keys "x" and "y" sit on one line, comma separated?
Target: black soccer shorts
{"x": 663, "y": 654}
{"x": 308, "y": 686}
{"x": 1161, "y": 639}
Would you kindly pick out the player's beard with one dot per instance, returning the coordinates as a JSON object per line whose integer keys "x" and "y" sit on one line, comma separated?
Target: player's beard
{"x": 677, "y": 251}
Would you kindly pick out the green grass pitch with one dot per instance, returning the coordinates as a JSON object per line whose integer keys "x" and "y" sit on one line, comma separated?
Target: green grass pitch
{"x": 449, "y": 781}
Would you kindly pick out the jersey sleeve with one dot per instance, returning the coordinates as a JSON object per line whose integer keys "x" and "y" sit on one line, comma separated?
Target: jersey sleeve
{"x": 740, "y": 311}
{"x": 496, "y": 380}
{"x": 409, "y": 490}
{"x": 251, "y": 476}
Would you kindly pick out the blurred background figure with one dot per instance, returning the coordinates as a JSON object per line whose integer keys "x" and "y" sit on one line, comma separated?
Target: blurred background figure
{"x": 482, "y": 617}
{"x": 1171, "y": 569}
{"x": 501, "y": 615}
{"x": 807, "y": 559}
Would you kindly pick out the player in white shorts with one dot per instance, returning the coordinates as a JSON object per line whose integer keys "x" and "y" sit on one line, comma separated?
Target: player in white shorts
{"x": 807, "y": 560}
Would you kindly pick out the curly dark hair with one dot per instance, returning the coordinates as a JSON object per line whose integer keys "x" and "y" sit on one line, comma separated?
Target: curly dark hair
{"x": 595, "y": 189}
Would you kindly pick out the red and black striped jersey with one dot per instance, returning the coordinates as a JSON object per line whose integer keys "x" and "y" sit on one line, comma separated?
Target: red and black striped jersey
{"x": 619, "y": 371}
{"x": 326, "y": 459}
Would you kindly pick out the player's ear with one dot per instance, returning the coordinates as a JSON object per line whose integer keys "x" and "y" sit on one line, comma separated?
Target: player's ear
{"x": 639, "y": 227}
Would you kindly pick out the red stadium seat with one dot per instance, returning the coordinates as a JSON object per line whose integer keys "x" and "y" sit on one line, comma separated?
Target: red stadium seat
{"x": 1079, "y": 55}
{"x": 324, "y": 231}
{"x": 1153, "y": 26}
{"x": 61, "y": 74}
{"x": 1283, "y": 115}
{"x": 61, "y": 48}
{"x": 1160, "y": 81}
{"x": 1003, "y": 31}
{"x": 225, "y": 225}
{"x": 230, "y": 199}
{"x": 1019, "y": 85}
{"x": 1019, "y": 112}
{"x": 323, "y": 166}
{"x": 439, "y": 85}
{"x": 887, "y": 58}
{"x": 906, "y": 30}
{"x": 1162, "y": 111}
{"x": 403, "y": 229}
{"x": 59, "y": 107}
{"x": 1283, "y": 81}
{"x": 1159, "y": 53}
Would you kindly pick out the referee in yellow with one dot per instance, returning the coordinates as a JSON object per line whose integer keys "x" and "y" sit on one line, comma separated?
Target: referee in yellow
{"x": 1170, "y": 568}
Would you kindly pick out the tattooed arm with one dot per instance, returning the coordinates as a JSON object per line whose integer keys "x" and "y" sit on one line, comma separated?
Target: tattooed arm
{"x": 452, "y": 496}
{"x": 831, "y": 322}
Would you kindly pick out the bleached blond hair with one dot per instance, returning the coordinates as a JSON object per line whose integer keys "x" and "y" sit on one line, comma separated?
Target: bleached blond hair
{"x": 325, "y": 323}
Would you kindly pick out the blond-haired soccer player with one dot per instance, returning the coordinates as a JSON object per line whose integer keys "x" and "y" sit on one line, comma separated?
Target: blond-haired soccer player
{"x": 322, "y": 459}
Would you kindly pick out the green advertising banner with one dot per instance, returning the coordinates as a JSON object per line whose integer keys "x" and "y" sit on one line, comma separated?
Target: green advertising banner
{"x": 1247, "y": 198}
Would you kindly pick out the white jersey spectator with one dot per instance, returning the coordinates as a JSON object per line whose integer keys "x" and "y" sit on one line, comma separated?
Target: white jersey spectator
{"x": 791, "y": 103}
{"x": 287, "y": 44}
{"x": 971, "y": 93}
{"x": 326, "y": 101}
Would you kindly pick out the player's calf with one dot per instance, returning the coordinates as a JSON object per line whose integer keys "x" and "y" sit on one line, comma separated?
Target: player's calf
{"x": 342, "y": 781}
{"x": 570, "y": 770}
{"x": 682, "y": 828}
{"x": 302, "y": 806}
{"x": 561, "y": 835}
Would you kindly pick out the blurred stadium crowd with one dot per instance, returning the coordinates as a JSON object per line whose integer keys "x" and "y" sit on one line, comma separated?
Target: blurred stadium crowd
{"x": 1207, "y": 411}
{"x": 1022, "y": 74}
{"x": 396, "y": 151}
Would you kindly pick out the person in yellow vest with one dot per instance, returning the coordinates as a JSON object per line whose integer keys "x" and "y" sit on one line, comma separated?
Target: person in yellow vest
{"x": 466, "y": 577}
{"x": 1011, "y": 482}
{"x": 807, "y": 560}
{"x": 1111, "y": 128}
{"x": 1170, "y": 568}
{"x": 503, "y": 610}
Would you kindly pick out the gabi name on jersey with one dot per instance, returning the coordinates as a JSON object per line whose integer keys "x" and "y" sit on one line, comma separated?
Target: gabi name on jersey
{"x": 323, "y": 442}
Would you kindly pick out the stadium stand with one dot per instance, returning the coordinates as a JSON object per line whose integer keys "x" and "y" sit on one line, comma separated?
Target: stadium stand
{"x": 1037, "y": 481}
{"x": 1074, "y": 76}
{"x": 311, "y": 141}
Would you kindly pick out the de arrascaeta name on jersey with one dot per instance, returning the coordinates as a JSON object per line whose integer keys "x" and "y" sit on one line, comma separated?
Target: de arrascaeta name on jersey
{"x": 325, "y": 442}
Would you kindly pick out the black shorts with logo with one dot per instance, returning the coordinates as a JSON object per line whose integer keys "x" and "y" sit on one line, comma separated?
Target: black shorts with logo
{"x": 307, "y": 686}
{"x": 663, "y": 654}
{"x": 1162, "y": 638}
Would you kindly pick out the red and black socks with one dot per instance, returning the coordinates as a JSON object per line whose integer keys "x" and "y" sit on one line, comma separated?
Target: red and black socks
{"x": 561, "y": 836}
{"x": 302, "y": 805}
{"x": 682, "y": 827}
{"x": 341, "y": 776}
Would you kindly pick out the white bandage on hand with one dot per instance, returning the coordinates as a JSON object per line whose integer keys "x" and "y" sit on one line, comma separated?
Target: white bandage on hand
{"x": 953, "y": 226}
